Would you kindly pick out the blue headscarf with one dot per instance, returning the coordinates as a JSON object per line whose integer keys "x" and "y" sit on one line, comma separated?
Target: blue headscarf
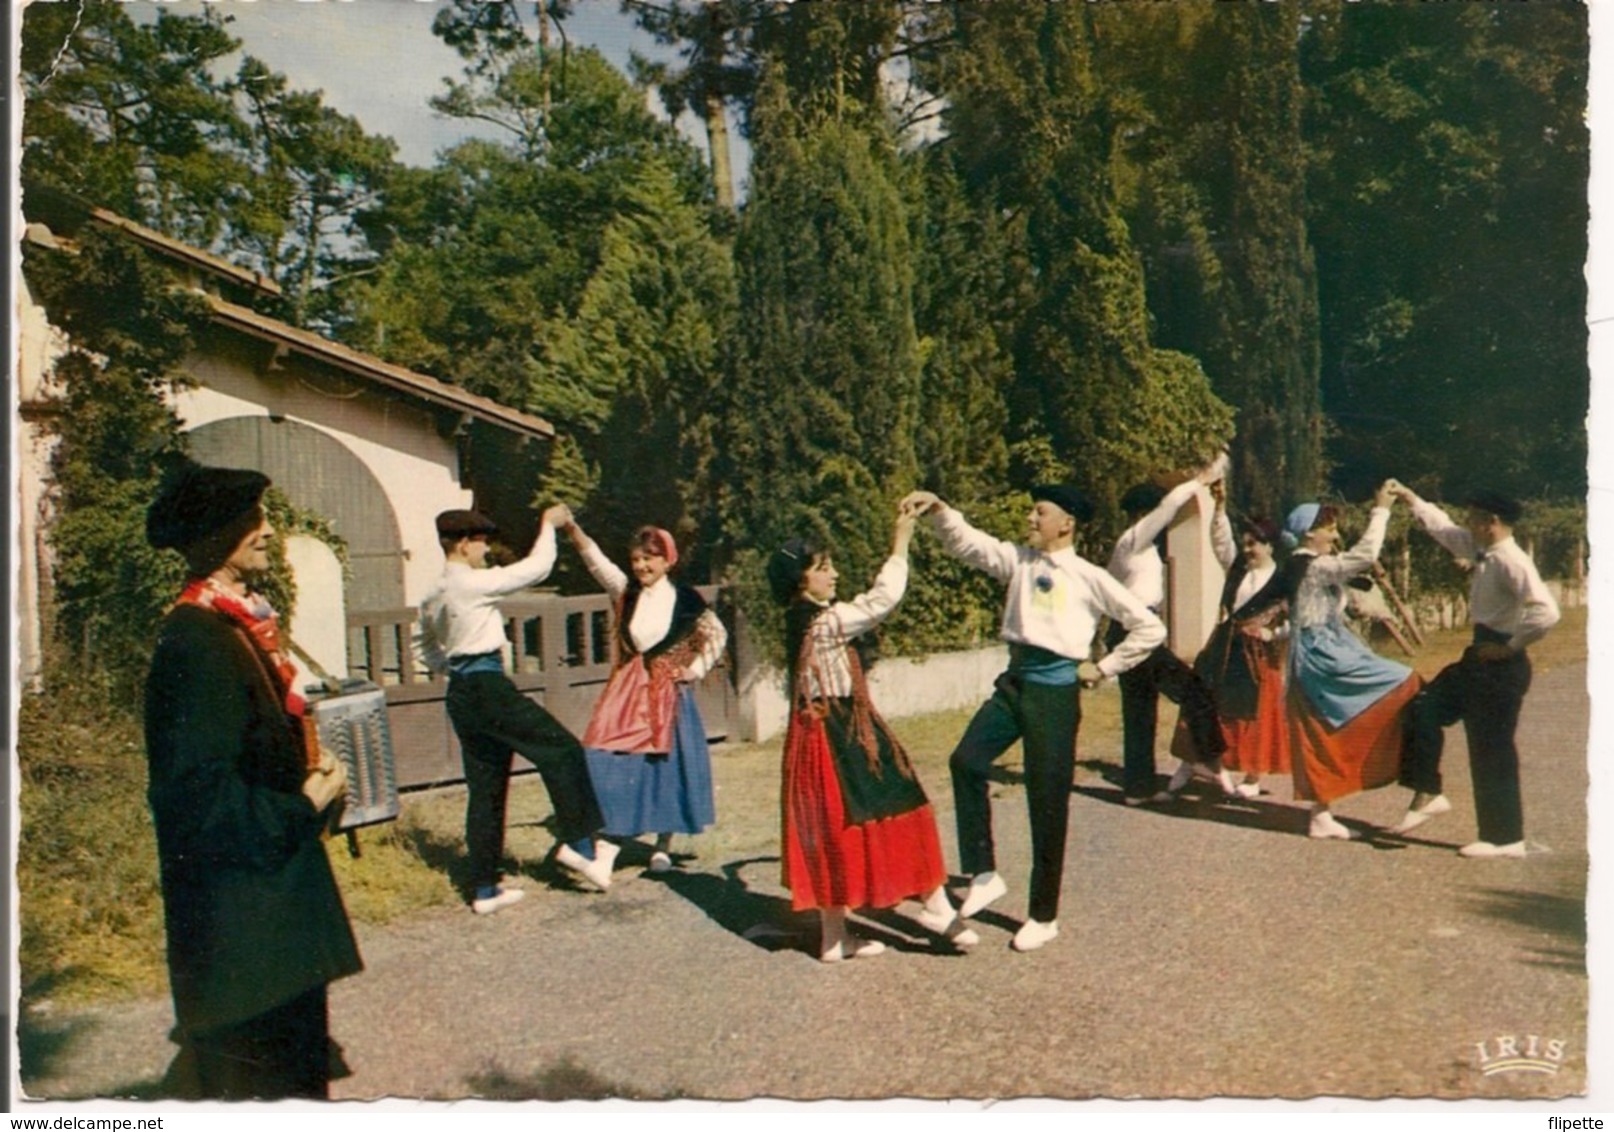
{"x": 1300, "y": 521}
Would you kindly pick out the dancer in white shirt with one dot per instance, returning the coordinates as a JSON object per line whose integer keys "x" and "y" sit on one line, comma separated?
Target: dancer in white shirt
{"x": 1511, "y": 609}
{"x": 1054, "y": 602}
{"x": 462, "y": 633}
{"x": 1137, "y": 563}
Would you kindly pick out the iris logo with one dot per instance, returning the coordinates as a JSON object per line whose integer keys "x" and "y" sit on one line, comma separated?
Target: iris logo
{"x": 1510, "y": 1053}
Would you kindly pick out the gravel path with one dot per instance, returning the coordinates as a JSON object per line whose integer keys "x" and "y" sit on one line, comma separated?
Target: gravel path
{"x": 1206, "y": 949}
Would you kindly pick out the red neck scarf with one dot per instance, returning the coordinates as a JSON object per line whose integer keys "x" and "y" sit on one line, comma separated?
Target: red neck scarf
{"x": 254, "y": 614}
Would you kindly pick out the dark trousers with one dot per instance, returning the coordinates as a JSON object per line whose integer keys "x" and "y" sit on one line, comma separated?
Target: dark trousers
{"x": 284, "y": 1052}
{"x": 494, "y": 721}
{"x": 1486, "y": 695}
{"x": 1045, "y": 718}
{"x": 1161, "y": 674}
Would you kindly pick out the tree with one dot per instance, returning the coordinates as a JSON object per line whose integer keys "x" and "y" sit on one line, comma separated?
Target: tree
{"x": 818, "y": 427}
{"x": 1449, "y": 212}
{"x": 1029, "y": 130}
{"x": 713, "y": 38}
{"x": 130, "y": 117}
{"x": 1210, "y": 156}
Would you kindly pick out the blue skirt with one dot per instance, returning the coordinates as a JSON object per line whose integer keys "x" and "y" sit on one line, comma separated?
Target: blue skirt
{"x": 1340, "y": 675}
{"x": 669, "y": 793}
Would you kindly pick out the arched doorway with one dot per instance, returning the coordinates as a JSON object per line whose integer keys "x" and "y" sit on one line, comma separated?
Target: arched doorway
{"x": 319, "y": 474}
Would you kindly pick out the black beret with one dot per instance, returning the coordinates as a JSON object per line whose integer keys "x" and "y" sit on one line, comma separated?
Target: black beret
{"x": 1502, "y": 506}
{"x": 1142, "y": 497}
{"x": 1067, "y": 497}
{"x": 464, "y": 524}
{"x": 199, "y": 501}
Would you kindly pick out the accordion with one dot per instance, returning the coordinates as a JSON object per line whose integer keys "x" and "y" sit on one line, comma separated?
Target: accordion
{"x": 351, "y": 723}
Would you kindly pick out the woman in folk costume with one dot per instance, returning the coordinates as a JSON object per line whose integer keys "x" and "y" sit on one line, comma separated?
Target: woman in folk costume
{"x": 1243, "y": 661}
{"x": 646, "y": 744}
{"x": 858, "y": 829}
{"x": 1346, "y": 702}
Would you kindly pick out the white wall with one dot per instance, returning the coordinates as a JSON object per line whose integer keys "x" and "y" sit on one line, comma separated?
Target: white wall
{"x": 320, "y": 624}
{"x": 898, "y": 686}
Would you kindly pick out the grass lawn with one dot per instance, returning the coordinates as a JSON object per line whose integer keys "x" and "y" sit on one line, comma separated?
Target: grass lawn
{"x": 89, "y": 906}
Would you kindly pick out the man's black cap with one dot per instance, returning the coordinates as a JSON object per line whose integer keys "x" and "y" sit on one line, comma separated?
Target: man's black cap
{"x": 1067, "y": 497}
{"x": 1142, "y": 497}
{"x": 198, "y": 501}
{"x": 464, "y": 524}
{"x": 1503, "y": 507}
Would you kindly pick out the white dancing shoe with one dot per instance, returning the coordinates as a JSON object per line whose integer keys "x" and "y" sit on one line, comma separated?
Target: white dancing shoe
{"x": 1484, "y": 849}
{"x": 487, "y": 905}
{"x": 660, "y": 862}
{"x": 982, "y": 891}
{"x": 1249, "y": 789}
{"x": 1431, "y": 809}
{"x": 851, "y": 947}
{"x": 598, "y": 871}
{"x": 950, "y": 927}
{"x": 1180, "y": 777}
{"x": 1325, "y": 826}
{"x": 1033, "y": 934}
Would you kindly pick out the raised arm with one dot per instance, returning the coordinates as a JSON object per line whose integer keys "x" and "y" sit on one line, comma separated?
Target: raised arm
{"x": 607, "y": 573}
{"x": 497, "y": 581}
{"x": 1223, "y": 544}
{"x": 1453, "y": 536}
{"x": 1149, "y": 528}
{"x": 976, "y": 548}
{"x": 868, "y": 609}
{"x": 1332, "y": 569}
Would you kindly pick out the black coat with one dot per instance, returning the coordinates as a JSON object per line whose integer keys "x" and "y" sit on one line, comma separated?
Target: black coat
{"x": 253, "y": 913}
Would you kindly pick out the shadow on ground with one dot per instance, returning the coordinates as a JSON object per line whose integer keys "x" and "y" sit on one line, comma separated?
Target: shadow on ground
{"x": 565, "y": 1080}
{"x": 45, "y": 1049}
{"x": 1564, "y": 917}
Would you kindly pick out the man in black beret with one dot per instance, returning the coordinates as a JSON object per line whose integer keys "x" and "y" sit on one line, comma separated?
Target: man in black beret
{"x": 256, "y": 927}
{"x": 1138, "y": 563}
{"x": 1511, "y": 608}
{"x": 462, "y": 634}
{"x": 1054, "y": 602}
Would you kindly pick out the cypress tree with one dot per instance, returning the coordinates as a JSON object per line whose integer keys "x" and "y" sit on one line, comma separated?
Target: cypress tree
{"x": 817, "y": 436}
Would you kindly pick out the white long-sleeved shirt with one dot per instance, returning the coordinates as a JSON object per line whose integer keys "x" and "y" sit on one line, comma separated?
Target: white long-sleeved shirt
{"x": 653, "y": 612}
{"x": 1135, "y": 562}
{"x": 460, "y": 616}
{"x": 1506, "y": 593}
{"x": 828, "y": 673}
{"x": 1054, "y": 601}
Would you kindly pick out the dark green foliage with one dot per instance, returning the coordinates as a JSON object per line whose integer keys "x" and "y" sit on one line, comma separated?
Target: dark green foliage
{"x": 818, "y": 432}
{"x": 1212, "y": 165}
{"x": 116, "y": 435}
{"x": 1448, "y": 200}
{"x": 1030, "y": 134}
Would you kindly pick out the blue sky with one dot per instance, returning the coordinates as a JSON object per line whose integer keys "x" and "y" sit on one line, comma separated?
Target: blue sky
{"x": 378, "y": 61}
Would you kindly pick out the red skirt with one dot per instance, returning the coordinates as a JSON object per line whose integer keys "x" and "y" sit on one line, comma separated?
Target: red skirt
{"x": 1332, "y": 763}
{"x": 828, "y": 863}
{"x": 1260, "y": 745}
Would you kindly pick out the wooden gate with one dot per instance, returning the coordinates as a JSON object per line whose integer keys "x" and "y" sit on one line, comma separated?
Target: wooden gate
{"x": 560, "y": 657}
